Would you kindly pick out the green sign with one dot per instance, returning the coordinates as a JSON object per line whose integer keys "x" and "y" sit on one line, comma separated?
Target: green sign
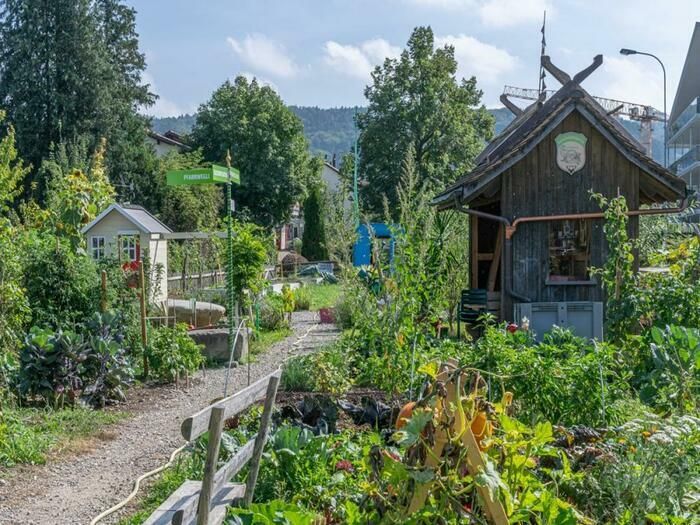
{"x": 211, "y": 175}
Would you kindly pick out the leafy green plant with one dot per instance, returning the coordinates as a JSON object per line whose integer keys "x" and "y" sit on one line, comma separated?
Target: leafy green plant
{"x": 50, "y": 365}
{"x": 171, "y": 352}
{"x": 61, "y": 284}
{"x": 302, "y": 299}
{"x": 296, "y": 375}
{"x": 617, "y": 274}
{"x": 673, "y": 377}
{"x": 62, "y": 366}
{"x": 271, "y": 309}
{"x": 273, "y": 512}
{"x": 106, "y": 369}
{"x": 648, "y": 473}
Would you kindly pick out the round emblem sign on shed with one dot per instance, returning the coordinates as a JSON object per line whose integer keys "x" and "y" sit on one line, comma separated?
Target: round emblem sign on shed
{"x": 571, "y": 151}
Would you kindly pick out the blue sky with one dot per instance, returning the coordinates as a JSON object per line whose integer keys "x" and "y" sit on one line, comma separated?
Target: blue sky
{"x": 320, "y": 52}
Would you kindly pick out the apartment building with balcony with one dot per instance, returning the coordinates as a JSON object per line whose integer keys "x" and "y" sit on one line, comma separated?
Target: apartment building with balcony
{"x": 684, "y": 120}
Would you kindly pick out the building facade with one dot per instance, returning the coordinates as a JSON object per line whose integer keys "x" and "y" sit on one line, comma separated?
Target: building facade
{"x": 684, "y": 120}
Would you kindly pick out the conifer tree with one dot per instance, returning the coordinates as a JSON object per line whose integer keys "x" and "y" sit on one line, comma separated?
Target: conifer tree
{"x": 313, "y": 245}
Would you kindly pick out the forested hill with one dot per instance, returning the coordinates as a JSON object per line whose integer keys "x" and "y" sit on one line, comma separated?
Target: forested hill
{"x": 332, "y": 130}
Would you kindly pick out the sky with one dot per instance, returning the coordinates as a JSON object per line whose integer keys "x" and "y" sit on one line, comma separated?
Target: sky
{"x": 321, "y": 52}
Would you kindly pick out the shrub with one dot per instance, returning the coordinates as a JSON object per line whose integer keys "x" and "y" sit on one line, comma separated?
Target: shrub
{"x": 272, "y": 312}
{"x": 343, "y": 313}
{"x": 671, "y": 370}
{"x": 61, "y": 284}
{"x": 302, "y": 299}
{"x": 648, "y": 474}
{"x": 171, "y": 352}
{"x": 558, "y": 380}
{"x": 297, "y": 376}
{"x": 61, "y": 366}
{"x": 106, "y": 369}
{"x": 50, "y": 365}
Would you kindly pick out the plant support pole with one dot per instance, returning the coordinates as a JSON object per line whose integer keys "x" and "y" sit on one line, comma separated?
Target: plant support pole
{"x": 144, "y": 332}
{"x": 229, "y": 258}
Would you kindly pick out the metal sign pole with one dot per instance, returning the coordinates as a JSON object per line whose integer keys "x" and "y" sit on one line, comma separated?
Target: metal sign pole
{"x": 229, "y": 262}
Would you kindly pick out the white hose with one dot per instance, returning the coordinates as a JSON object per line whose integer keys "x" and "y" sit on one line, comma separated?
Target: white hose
{"x": 137, "y": 485}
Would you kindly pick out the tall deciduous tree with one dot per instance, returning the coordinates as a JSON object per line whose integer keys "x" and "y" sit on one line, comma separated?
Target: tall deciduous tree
{"x": 417, "y": 101}
{"x": 70, "y": 68}
{"x": 267, "y": 144}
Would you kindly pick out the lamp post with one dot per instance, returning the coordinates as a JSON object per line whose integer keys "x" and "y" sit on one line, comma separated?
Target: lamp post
{"x": 627, "y": 52}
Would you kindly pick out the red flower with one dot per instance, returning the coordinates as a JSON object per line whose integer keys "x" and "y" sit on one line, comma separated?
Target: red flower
{"x": 512, "y": 328}
{"x": 345, "y": 465}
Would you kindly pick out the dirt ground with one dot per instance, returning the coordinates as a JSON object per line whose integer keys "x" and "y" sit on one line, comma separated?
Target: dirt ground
{"x": 98, "y": 473}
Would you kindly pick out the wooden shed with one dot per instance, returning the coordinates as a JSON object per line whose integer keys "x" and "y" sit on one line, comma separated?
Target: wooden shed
{"x": 130, "y": 233}
{"x": 535, "y": 230}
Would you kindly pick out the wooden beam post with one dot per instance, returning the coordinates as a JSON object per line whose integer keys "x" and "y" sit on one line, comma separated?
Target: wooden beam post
{"x": 493, "y": 270}
{"x": 216, "y": 426}
{"x": 260, "y": 440}
{"x": 474, "y": 243}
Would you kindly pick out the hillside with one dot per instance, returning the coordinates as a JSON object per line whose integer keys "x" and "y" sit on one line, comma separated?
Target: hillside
{"x": 332, "y": 130}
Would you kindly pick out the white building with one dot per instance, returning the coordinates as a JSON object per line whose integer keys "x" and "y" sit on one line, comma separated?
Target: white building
{"x": 130, "y": 233}
{"x": 166, "y": 143}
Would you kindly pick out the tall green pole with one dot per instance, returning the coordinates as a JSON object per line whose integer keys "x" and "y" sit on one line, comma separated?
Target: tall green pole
{"x": 229, "y": 261}
{"x": 355, "y": 195}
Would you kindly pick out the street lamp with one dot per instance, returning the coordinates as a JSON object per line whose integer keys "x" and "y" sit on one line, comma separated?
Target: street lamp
{"x": 627, "y": 52}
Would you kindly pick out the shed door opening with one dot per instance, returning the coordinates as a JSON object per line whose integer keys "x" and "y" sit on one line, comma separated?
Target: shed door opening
{"x": 569, "y": 251}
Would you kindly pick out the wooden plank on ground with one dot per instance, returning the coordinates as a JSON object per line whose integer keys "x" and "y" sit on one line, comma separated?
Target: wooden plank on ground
{"x": 196, "y": 425}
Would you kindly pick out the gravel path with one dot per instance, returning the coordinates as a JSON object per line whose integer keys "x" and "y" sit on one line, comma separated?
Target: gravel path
{"x": 74, "y": 490}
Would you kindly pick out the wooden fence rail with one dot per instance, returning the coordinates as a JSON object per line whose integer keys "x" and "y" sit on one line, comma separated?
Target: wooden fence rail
{"x": 205, "y": 502}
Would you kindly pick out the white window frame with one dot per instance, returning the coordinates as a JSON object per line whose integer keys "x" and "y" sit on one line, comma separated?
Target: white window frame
{"x": 97, "y": 247}
{"x": 127, "y": 247}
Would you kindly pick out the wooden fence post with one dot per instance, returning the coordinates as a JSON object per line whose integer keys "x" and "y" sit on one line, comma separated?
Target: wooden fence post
{"x": 144, "y": 332}
{"x": 260, "y": 440}
{"x": 216, "y": 426}
{"x": 103, "y": 291}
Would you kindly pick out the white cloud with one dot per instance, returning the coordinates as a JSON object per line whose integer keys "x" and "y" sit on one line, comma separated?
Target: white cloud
{"x": 488, "y": 63}
{"x": 264, "y": 54}
{"x": 261, "y": 81}
{"x": 508, "y": 13}
{"x": 630, "y": 80}
{"x": 495, "y": 13}
{"x": 163, "y": 107}
{"x": 359, "y": 61}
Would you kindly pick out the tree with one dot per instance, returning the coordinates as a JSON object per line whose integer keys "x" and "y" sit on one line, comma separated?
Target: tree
{"x": 14, "y": 308}
{"x": 186, "y": 208}
{"x": 416, "y": 101}
{"x": 313, "y": 245}
{"x": 71, "y": 68}
{"x": 267, "y": 144}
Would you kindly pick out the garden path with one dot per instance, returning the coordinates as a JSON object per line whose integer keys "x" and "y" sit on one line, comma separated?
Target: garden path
{"x": 73, "y": 490}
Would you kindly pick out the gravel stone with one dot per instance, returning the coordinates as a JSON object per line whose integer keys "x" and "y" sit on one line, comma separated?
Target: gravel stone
{"x": 73, "y": 490}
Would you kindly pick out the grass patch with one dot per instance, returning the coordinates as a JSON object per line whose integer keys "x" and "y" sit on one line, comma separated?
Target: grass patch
{"x": 186, "y": 466}
{"x": 323, "y": 295}
{"x": 264, "y": 339}
{"x": 28, "y": 435}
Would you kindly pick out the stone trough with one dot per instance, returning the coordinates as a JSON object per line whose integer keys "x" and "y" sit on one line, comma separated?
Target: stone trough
{"x": 215, "y": 341}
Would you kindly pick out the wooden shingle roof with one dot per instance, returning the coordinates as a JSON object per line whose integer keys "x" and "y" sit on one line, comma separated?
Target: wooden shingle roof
{"x": 535, "y": 123}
